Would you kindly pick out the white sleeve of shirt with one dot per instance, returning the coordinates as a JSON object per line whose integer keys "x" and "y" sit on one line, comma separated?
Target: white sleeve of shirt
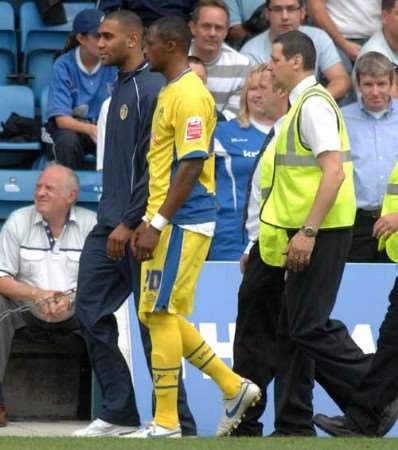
{"x": 218, "y": 148}
{"x": 253, "y": 209}
{"x": 9, "y": 248}
{"x": 101, "y": 127}
{"x": 319, "y": 126}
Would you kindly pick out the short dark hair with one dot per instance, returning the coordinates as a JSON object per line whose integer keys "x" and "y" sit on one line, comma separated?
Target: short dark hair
{"x": 268, "y": 3}
{"x": 374, "y": 64}
{"x": 129, "y": 19}
{"x": 298, "y": 43}
{"x": 212, "y": 4}
{"x": 388, "y": 5}
{"x": 174, "y": 28}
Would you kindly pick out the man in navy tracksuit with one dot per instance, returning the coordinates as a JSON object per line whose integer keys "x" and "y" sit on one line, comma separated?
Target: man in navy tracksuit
{"x": 108, "y": 272}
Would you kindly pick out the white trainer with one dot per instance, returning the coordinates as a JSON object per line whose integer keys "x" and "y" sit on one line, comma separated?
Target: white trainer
{"x": 153, "y": 430}
{"x": 235, "y": 408}
{"x": 100, "y": 428}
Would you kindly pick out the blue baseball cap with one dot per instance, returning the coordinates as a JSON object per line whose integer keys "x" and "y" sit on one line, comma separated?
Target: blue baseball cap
{"x": 87, "y": 21}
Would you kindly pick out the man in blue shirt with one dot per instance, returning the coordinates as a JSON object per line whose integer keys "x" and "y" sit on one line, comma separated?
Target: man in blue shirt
{"x": 372, "y": 125}
{"x": 287, "y": 15}
{"x": 78, "y": 88}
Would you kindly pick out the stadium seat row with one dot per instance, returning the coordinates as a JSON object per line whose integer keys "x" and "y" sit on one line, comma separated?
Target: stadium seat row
{"x": 37, "y": 43}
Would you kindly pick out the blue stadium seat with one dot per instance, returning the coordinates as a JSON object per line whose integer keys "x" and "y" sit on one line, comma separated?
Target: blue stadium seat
{"x": 43, "y": 103}
{"x": 17, "y": 99}
{"x": 8, "y": 42}
{"x": 17, "y": 189}
{"x": 40, "y": 41}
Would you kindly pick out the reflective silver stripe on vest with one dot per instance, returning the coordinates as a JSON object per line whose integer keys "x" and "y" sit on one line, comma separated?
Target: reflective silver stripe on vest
{"x": 305, "y": 161}
{"x": 392, "y": 189}
{"x": 293, "y": 160}
{"x": 265, "y": 192}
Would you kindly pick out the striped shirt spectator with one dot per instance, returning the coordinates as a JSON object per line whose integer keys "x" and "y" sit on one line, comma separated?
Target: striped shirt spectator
{"x": 226, "y": 67}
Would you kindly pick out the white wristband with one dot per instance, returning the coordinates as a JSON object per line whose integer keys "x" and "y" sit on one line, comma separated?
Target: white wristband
{"x": 159, "y": 222}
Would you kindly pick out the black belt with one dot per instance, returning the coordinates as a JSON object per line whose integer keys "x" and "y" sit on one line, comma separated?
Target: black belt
{"x": 374, "y": 213}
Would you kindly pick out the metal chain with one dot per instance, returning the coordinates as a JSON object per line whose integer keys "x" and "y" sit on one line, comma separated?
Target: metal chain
{"x": 27, "y": 307}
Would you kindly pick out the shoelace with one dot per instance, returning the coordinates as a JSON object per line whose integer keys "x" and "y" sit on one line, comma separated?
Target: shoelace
{"x": 70, "y": 293}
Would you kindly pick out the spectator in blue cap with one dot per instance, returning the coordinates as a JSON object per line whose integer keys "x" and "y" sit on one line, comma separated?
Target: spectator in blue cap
{"x": 78, "y": 88}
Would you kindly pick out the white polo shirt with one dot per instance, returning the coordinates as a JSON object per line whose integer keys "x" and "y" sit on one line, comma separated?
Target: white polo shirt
{"x": 26, "y": 252}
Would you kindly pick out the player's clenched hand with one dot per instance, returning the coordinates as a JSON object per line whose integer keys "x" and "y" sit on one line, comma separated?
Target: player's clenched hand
{"x": 134, "y": 238}
{"x": 117, "y": 240}
{"x": 146, "y": 243}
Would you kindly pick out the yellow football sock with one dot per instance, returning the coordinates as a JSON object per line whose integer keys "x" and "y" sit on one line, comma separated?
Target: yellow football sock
{"x": 166, "y": 361}
{"x": 200, "y": 354}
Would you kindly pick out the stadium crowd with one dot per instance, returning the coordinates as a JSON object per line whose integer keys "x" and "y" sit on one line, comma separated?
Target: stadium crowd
{"x": 251, "y": 131}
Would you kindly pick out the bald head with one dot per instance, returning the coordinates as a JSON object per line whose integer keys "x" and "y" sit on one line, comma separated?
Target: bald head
{"x": 68, "y": 178}
{"x": 57, "y": 189}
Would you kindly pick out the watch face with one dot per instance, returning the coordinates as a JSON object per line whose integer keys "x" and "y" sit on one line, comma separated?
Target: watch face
{"x": 309, "y": 232}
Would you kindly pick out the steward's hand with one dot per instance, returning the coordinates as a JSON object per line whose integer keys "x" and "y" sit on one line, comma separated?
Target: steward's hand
{"x": 298, "y": 251}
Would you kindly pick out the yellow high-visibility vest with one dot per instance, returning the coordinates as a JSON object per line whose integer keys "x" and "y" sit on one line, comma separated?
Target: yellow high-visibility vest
{"x": 390, "y": 205}
{"x": 272, "y": 240}
{"x": 297, "y": 174}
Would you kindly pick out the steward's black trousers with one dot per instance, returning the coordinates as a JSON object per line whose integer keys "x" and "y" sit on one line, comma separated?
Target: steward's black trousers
{"x": 308, "y": 339}
{"x": 255, "y": 350}
{"x": 380, "y": 386}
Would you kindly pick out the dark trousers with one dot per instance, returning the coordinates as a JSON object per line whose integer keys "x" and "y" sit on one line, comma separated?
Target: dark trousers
{"x": 259, "y": 302}
{"x": 69, "y": 147}
{"x": 380, "y": 385}
{"x": 104, "y": 284}
{"x": 259, "y": 305}
{"x": 364, "y": 245}
{"x": 308, "y": 338}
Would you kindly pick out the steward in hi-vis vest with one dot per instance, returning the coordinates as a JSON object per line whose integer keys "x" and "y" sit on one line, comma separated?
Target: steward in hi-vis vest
{"x": 390, "y": 205}
{"x": 311, "y": 206}
{"x": 290, "y": 176}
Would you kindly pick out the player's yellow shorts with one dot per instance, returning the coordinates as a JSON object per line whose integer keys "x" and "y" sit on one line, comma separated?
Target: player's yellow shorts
{"x": 168, "y": 281}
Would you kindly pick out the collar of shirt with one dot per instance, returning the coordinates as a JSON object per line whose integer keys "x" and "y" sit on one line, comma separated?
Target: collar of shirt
{"x": 215, "y": 60}
{"x": 126, "y": 75}
{"x": 38, "y": 218}
{"x": 299, "y": 88}
{"x": 378, "y": 115}
{"x": 81, "y": 66}
{"x": 264, "y": 128}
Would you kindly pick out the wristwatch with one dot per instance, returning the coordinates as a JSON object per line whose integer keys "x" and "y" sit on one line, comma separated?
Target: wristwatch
{"x": 309, "y": 231}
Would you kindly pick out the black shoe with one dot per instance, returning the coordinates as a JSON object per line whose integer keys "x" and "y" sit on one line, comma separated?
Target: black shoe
{"x": 282, "y": 434}
{"x": 339, "y": 426}
{"x": 389, "y": 417}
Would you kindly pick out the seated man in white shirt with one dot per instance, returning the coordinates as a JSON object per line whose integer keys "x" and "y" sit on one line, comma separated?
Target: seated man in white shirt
{"x": 40, "y": 248}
